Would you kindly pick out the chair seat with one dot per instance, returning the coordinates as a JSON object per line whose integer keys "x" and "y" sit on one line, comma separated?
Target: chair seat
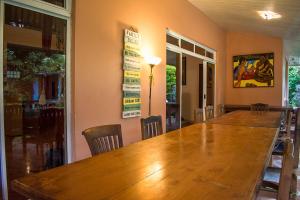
{"x": 278, "y": 180}
{"x": 279, "y": 145}
{"x": 266, "y": 195}
{"x": 279, "y": 148}
{"x": 272, "y": 175}
{"x": 269, "y": 185}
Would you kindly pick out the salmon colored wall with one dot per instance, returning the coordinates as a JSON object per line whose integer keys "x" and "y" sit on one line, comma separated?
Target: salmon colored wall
{"x": 97, "y": 62}
{"x": 252, "y": 43}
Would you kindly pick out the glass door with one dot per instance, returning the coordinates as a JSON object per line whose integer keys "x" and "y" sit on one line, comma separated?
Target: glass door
{"x": 173, "y": 97}
{"x": 201, "y": 87}
{"x": 34, "y": 92}
{"x": 208, "y": 85}
{"x": 188, "y": 100}
{"x": 192, "y": 88}
{"x": 210, "y": 80}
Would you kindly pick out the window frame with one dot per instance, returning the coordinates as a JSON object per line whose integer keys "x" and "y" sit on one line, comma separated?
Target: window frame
{"x": 55, "y": 11}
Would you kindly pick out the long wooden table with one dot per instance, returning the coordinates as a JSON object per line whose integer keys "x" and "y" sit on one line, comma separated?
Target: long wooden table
{"x": 202, "y": 161}
{"x": 249, "y": 118}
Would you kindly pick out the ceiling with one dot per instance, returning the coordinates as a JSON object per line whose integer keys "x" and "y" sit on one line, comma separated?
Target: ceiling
{"x": 241, "y": 15}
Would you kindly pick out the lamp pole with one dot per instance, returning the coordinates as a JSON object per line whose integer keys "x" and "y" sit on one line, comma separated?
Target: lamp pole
{"x": 152, "y": 61}
{"x": 150, "y": 92}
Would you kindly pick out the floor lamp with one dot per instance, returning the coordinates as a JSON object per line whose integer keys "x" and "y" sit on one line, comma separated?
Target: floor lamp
{"x": 152, "y": 61}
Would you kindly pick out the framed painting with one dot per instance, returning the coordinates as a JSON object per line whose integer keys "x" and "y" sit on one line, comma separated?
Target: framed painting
{"x": 253, "y": 70}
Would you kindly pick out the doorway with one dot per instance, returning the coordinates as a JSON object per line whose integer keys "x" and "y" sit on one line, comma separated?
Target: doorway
{"x": 210, "y": 85}
{"x": 192, "y": 88}
{"x": 294, "y": 86}
{"x": 35, "y": 81}
{"x": 190, "y": 79}
{"x": 173, "y": 73}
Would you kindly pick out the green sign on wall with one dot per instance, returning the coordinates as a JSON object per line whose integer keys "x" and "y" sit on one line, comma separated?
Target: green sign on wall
{"x": 132, "y": 76}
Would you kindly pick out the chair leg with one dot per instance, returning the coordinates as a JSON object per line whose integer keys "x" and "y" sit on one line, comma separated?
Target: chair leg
{"x": 293, "y": 194}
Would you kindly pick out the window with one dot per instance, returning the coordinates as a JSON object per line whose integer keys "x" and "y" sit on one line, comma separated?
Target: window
{"x": 294, "y": 86}
{"x": 200, "y": 51}
{"x": 172, "y": 40}
{"x": 171, "y": 83}
{"x": 60, "y": 3}
{"x": 209, "y": 55}
{"x": 191, "y": 47}
{"x": 36, "y": 86}
{"x": 33, "y": 65}
{"x": 187, "y": 45}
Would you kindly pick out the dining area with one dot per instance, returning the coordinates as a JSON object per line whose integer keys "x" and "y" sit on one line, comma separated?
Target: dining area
{"x": 224, "y": 157}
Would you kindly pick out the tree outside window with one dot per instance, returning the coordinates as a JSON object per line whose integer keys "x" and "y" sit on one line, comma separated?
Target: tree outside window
{"x": 171, "y": 84}
{"x": 294, "y": 86}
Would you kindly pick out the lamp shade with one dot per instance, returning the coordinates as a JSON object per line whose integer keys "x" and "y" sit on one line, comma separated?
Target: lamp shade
{"x": 152, "y": 60}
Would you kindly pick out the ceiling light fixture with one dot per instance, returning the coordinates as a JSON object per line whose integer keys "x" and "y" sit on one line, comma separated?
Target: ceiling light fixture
{"x": 268, "y": 15}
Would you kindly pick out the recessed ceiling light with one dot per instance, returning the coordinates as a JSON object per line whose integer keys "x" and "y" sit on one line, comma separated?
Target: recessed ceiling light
{"x": 268, "y": 15}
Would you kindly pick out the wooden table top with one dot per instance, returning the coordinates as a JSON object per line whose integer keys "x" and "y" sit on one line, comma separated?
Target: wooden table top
{"x": 202, "y": 161}
{"x": 249, "y": 118}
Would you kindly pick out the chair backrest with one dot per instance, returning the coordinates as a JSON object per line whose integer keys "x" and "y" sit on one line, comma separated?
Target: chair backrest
{"x": 173, "y": 117}
{"x": 103, "y": 138}
{"x": 220, "y": 109}
{"x": 284, "y": 120}
{"x": 286, "y": 171}
{"x": 209, "y": 112}
{"x": 151, "y": 127}
{"x": 260, "y": 107}
{"x": 198, "y": 115}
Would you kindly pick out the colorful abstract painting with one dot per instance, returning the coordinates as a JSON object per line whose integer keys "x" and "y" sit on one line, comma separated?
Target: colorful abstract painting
{"x": 254, "y": 70}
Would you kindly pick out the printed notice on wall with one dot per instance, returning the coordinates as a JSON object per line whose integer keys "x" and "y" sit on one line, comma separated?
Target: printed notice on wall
{"x": 132, "y": 75}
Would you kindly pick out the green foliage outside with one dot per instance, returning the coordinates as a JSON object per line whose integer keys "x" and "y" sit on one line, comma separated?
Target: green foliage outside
{"x": 36, "y": 62}
{"x": 33, "y": 65}
{"x": 171, "y": 83}
{"x": 294, "y": 81}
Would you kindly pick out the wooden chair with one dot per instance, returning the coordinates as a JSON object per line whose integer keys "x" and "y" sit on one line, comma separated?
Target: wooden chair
{"x": 259, "y": 107}
{"x": 173, "y": 117}
{"x": 220, "y": 110}
{"x": 296, "y": 133}
{"x": 278, "y": 181}
{"x": 103, "y": 138}
{"x": 209, "y": 112}
{"x": 284, "y": 120}
{"x": 283, "y": 134}
{"x": 151, "y": 127}
{"x": 198, "y": 115}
